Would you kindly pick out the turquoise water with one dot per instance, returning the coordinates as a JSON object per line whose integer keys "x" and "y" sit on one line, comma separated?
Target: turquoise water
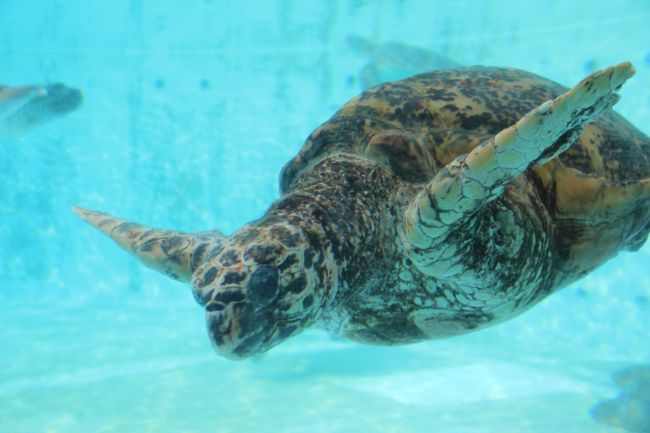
{"x": 190, "y": 110}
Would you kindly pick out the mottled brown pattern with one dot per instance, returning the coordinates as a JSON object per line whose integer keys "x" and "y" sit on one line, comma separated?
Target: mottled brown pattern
{"x": 331, "y": 251}
{"x": 487, "y": 100}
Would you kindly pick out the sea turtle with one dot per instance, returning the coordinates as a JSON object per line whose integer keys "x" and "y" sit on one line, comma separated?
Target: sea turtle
{"x": 24, "y": 107}
{"x": 13, "y": 97}
{"x": 630, "y": 410}
{"x": 424, "y": 208}
{"x": 393, "y": 60}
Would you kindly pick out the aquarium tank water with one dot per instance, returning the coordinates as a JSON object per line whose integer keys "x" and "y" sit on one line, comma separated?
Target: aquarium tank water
{"x": 189, "y": 111}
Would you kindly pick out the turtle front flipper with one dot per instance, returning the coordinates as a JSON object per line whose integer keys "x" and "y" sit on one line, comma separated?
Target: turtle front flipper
{"x": 472, "y": 181}
{"x": 175, "y": 254}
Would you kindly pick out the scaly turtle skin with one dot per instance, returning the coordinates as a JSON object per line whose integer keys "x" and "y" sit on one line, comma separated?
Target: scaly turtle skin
{"x": 423, "y": 208}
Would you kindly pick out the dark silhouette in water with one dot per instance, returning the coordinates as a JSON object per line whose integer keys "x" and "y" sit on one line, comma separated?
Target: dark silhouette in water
{"x": 22, "y": 108}
{"x": 392, "y": 61}
{"x": 630, "y": 409}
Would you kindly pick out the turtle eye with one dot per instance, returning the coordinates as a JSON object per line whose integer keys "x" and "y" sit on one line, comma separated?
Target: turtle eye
{"x": 263, "y": 285}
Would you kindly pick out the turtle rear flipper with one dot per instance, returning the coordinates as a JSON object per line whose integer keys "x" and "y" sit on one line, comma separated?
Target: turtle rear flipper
{"x": 467, "y": 184}
{"x": 594, "y": 218}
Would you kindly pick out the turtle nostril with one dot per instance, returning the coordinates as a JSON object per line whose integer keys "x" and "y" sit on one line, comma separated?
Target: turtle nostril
{"x": 263, "y": 285}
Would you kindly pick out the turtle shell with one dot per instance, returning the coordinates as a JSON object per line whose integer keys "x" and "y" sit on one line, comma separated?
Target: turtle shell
{"x": 416, "y": 126}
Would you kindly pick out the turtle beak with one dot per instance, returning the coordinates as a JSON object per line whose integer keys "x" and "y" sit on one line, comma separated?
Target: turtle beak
{"x": 237, "y": 332}
{"x": 175, "y": 254}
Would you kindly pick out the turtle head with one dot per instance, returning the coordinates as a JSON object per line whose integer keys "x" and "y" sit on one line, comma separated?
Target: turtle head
{"x": 259, "y": 290}
{"x": 259, "y": 286}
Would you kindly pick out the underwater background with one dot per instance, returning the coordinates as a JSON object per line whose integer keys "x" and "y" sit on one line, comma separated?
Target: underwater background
{"x": 190, "y": 110}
